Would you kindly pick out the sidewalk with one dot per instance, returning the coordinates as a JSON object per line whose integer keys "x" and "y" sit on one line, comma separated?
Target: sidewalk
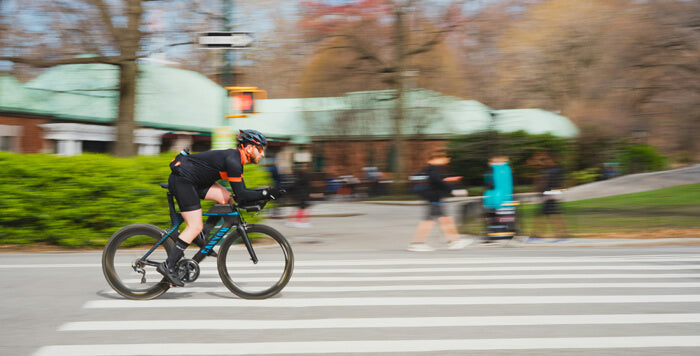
{"x": 390, "y": 226}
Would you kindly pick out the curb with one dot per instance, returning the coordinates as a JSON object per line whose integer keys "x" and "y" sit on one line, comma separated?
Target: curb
{"x": 581, "y": 242}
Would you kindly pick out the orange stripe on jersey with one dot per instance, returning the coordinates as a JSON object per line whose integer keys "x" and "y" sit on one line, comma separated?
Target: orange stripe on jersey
{"x": 225, "y": 176}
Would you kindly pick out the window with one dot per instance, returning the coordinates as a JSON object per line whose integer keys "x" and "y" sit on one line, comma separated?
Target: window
{"x": 7, "y": 143}
{"x": 96, "y": 146}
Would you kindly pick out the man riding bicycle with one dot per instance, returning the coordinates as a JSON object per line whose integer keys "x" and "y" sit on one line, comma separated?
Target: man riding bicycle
{"x": 195, "y": 176}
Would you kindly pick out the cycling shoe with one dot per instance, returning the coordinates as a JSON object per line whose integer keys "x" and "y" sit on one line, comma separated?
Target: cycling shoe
{"x": 169, "y": 274}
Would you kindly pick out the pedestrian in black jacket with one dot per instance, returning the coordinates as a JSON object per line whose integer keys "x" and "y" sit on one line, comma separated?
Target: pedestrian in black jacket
{"x": 437, "y": 188}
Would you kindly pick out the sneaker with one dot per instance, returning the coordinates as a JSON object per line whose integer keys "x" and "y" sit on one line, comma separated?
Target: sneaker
{"x": 169, "y": 274}
{"x": 420, "y": 247}
{"x": 458, "y": 244}
{"x": 292, "y": 224}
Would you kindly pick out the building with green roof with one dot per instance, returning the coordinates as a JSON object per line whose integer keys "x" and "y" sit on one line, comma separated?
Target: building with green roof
{"x": 76, "y": 105}
{"x": 345, "y": 134}
{"x": 72, "y": 108}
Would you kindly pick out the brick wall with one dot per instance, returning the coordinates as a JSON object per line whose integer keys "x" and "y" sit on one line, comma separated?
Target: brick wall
{"x": 31, "y": 140}
{"x": 349, "y": 157}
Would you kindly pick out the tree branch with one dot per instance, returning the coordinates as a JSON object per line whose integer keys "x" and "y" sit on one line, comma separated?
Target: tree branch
{"x": 42, "y": 63}
{"x": 107, "y": 20}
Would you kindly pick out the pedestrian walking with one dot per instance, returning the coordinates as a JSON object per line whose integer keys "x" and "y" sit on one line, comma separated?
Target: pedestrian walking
{"x": 437, "y": 187}
{"x": 549, "y": 183}
{"x": 301, "y": 194}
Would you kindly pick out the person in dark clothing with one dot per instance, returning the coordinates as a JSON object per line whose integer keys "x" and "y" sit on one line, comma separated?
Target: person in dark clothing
{"x": 549, "y": 183}
{"x": 277, "y": 180}
{"x": 194, "y": 177}
{"x": 437, "y": 188}
{"x": 301, "y": 194}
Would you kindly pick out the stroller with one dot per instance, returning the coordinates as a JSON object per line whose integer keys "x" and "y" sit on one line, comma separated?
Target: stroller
{"x": 501, "y": 222}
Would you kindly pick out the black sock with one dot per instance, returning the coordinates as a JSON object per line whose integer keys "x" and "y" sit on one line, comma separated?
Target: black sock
{"x": 177, "y": 253}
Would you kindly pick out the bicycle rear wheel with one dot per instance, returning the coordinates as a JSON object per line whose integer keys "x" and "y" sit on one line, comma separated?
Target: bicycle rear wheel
{"x": 256, "y": 281}
{"x": 120, "y": 261}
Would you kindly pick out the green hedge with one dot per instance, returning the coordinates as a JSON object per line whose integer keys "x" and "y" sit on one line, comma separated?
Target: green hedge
{"x": 641, "y": 158}
{"x": 82, "y": 200}
{"x": 470, "y": 153}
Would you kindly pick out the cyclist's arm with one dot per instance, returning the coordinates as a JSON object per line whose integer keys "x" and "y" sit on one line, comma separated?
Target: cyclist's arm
{"x": 243, "y": 194}
{"x": 234, "y": 175}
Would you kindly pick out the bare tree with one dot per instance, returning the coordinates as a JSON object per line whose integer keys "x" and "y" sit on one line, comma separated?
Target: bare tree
{"x": 43, "y": 33}
{"x": 91, "y": 25}
{"x": 379, "y": 40}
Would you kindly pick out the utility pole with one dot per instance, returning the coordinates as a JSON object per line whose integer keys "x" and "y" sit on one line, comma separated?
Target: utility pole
{"x": 227, "y": 74}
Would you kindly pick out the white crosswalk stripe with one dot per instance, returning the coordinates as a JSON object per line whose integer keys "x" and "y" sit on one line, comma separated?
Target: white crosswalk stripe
{"x": 404, "y": 294}
{"x": 382, "y": 322}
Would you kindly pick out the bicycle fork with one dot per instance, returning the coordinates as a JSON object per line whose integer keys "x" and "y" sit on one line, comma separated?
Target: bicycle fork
{"x": 248, "y": 245}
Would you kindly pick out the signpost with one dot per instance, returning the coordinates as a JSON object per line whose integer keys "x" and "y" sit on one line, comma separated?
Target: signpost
{"x": 225, "y": 40}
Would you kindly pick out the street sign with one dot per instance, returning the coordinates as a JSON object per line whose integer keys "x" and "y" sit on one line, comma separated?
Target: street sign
{"x": 220, "y": 39}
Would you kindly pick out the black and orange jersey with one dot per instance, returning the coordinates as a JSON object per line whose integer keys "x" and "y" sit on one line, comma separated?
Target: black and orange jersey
{"x": 205, "y": 168}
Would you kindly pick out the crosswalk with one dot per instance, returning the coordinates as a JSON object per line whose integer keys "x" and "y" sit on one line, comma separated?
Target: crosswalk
{"x": 439, "y": 305}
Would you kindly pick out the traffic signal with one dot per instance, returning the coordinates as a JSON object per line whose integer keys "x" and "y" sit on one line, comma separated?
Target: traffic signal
{"x": 244, "y": 102}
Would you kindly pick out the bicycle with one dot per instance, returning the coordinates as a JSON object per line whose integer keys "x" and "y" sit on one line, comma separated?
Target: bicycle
{"x": 258, "y": 271}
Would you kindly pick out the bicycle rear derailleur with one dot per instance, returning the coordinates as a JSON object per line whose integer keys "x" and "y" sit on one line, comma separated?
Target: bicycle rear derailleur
{"x": 187, "y": 270}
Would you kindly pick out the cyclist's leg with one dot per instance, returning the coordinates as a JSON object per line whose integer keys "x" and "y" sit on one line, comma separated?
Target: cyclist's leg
{"x": 219, "y": 194}
{"x": 187, "y": 196}
{"x": 193, "y": 219}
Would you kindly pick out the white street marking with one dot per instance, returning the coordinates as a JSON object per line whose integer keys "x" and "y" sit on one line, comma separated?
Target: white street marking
{"x": 371, "y": 346}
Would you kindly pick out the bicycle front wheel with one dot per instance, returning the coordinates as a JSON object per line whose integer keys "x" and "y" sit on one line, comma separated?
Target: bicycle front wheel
{"x": 121, "y": 263}
{"x": 256, "y": 281}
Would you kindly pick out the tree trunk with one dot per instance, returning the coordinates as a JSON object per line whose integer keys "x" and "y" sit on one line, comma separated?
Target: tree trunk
{"x": 398, "y": 141}
{"x": 126, "y": 123}
{"x": 129, "y": 40}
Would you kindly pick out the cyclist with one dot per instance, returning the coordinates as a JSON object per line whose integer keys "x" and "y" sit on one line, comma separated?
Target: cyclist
{"x": 195, "y": 176}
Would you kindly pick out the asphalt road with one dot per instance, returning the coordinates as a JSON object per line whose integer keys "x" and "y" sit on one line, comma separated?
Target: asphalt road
{"x": 523, "y": 301}
{"x": 356, "y": 290}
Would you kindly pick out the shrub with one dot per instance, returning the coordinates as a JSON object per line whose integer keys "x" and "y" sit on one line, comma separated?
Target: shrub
{"x": 470, "y": 153}
{"x": 82, "y": 200}
{"x": 641, "y": 158}
{"x": 585, "y": 176}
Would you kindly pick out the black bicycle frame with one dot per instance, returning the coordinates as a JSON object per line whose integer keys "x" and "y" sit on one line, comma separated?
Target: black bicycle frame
{"x": 231, "y": 217}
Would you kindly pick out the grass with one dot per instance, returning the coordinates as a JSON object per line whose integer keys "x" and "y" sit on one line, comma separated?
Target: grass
{"x": 664, "y": 209}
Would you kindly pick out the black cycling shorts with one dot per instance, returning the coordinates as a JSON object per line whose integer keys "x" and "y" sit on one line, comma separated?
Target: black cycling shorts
{"x": 188, "y": 195}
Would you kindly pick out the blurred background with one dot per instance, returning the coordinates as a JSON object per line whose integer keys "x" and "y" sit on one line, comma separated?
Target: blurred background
{"x": 358, "y": 93}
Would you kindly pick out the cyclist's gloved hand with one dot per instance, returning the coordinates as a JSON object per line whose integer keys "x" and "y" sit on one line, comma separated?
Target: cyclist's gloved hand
{"x": 275, "y": 193}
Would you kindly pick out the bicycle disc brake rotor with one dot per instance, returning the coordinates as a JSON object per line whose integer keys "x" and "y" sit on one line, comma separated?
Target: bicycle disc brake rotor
{"x": 188, "y": 270}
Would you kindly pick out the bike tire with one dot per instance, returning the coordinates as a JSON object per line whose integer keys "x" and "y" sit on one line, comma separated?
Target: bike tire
{"x": 256, "y": 281}
{"x": 118, "y": 258}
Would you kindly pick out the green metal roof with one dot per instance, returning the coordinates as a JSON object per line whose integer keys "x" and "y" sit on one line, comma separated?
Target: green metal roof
{"x": 534, "y": 121}
{"x": 167, "y": 98}
{"x": 11, "y": 92}
{"x": 369, "y": 115}
{"x": 176, "y": 99}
